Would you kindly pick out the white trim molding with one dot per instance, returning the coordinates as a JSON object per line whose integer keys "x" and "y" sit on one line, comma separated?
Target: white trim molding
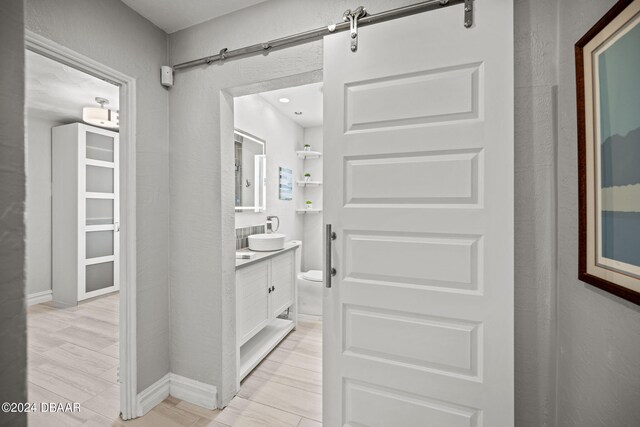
{"x": 39, "y": 297}
{"x": 192, "y": 391}
{"x": 128, "y": 350}
{"x": 153, "y": 395}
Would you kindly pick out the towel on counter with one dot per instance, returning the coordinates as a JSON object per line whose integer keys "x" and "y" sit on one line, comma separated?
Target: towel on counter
{"x": 244, "y": 255}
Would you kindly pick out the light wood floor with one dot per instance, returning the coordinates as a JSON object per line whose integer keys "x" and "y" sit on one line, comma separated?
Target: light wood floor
{"x": 73, "y": 357}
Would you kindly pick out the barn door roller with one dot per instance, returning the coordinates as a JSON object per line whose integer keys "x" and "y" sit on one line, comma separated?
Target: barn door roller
{"x": 352, "y": 17}
{"x": 351, "y": 20}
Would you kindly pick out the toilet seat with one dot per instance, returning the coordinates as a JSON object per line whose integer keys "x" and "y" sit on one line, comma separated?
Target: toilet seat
{"x": 313, "y": 275}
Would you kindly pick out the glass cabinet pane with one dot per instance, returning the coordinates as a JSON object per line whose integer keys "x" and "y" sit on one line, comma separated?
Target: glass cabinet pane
{"x": 99, "y": 243}
{"x": 99, "y": 211}
{"x": 99, "y": 179}
{"x": 99, "y": 147}
{"x": 99, "y": 276}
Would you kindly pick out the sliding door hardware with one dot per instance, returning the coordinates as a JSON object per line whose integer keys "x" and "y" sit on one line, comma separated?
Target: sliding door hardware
{"x": 352, "y": 17}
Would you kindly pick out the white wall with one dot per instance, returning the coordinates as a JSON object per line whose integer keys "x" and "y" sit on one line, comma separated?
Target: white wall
{"x": 13, "y": 343}
{"x": 283, "y": 137}
{"x": 38, "y": 205}
{"x": 312, "y": 241}
{"x": 111, "y": 33}
{"x": 598, "y": 333}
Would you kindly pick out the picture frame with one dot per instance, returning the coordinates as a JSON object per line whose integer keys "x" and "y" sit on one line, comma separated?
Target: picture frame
{"x": 285, "y": 187}
{"x": 608, "y": 103}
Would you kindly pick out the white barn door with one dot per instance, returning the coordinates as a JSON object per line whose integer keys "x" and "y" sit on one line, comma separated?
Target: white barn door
{"x": 419, "y": 189}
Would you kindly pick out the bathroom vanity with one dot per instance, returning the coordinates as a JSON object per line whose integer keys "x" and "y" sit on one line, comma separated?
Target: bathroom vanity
{"x": 265, "y": 303}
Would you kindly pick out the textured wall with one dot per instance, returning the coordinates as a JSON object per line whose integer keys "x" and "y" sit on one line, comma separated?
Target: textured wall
{"x": 111, "y": 33}
{"x": 38, "y": 205}
{"x": 598, "y": 333}
{"x": 13, "y": 346}
{"x": 535, "y": 227}
{"x": 284, "y": 136}
{"x": 202, "y": 263}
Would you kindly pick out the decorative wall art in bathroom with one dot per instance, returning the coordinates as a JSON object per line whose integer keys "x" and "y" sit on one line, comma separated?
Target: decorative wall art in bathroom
{"x": 286, "y": 184}
{"x": 607, "y": 64}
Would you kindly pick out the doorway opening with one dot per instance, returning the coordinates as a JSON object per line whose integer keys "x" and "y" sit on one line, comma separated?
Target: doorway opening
{"x": 73, "y": 314}
{"x": 278, "y": 228}
{"x": 80, "y": 224}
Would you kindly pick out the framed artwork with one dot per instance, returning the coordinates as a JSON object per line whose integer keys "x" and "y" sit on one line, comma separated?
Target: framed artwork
{"x": 608, "y": 84}
{"x": 286, "y": 184}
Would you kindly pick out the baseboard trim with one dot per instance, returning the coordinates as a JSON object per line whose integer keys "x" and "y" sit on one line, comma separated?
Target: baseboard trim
{"x": 180, "y": 387}
{"x": 192, "y": 391}
{"x": 39, "y": 297}
{"x": 153, "y": 395}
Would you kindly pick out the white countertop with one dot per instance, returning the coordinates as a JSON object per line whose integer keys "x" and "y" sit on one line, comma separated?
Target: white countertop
{"x": 259, "y": 256}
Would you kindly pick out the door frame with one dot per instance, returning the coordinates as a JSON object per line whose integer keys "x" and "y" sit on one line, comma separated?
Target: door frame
{"x": 227, "y": 204}
{"x": 128, "y": 374}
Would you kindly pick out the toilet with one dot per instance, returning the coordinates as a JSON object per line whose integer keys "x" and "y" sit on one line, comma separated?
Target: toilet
{"x": 310, "y": 293}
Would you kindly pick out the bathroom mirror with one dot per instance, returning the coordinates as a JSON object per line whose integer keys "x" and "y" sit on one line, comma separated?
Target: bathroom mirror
{"x": 250, "y": 178}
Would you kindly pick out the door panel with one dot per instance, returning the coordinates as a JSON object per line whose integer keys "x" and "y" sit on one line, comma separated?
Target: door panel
{"x": 99, "y": 244}
{"x": 418, "y": 170}
{"x": 282, "y": 279}
{"x": 99, "y": 230}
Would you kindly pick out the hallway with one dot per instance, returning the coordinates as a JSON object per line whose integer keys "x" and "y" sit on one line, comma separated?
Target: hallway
{"x": 73, "y": 357}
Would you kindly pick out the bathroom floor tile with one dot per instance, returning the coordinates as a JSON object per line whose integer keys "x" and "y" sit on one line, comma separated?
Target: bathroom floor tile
{"x": 287, "y": 398}
{"x": 296, "y": 359}
{"x": 246, "y": 413}
{"x": 305, "y": 422}
{"x": 289, "y": 375}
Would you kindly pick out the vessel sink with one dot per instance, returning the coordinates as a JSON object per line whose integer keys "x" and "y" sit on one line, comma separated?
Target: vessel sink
{"x": 266, "y": 242}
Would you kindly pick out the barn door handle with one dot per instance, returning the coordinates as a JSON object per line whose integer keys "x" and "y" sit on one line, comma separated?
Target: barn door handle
{"x": 329, "y": 271}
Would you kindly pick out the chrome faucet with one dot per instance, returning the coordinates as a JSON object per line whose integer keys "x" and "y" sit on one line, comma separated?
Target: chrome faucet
{"x": 270, "y": 228}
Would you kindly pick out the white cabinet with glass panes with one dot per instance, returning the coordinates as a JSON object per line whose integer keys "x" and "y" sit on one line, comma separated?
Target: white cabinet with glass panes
{"x": 86, "y": 212}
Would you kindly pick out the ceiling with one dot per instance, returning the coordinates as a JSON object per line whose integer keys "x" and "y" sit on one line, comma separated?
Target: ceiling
{"x": 306, "y": 99}
{"x": 57, "y": 92}
{"x": 172, "y": 15}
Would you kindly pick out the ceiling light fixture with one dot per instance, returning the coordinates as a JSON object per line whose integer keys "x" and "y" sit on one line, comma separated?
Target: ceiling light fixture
{"x": 101, "y": 116}
{"x": 284, "y": 100}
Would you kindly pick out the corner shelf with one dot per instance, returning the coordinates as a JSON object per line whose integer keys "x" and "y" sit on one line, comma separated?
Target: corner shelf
{"x": 309, "y": 154}
{"x": 309, "y": 184}
{"x": 308, "y": 211}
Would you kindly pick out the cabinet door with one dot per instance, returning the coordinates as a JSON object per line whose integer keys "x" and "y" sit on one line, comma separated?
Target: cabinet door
{"x": 282, "y": 280}
{"x": 99, "y": 233}
{"x": 252, "y": 284}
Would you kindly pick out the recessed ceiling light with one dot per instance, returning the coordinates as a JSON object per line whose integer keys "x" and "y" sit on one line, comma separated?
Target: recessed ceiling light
{"x": 298, "y": 113}
{"x": 284, "y": 100}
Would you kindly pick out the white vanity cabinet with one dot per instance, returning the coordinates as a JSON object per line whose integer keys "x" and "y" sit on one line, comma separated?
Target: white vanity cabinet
{"x": 265, "y": 289}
